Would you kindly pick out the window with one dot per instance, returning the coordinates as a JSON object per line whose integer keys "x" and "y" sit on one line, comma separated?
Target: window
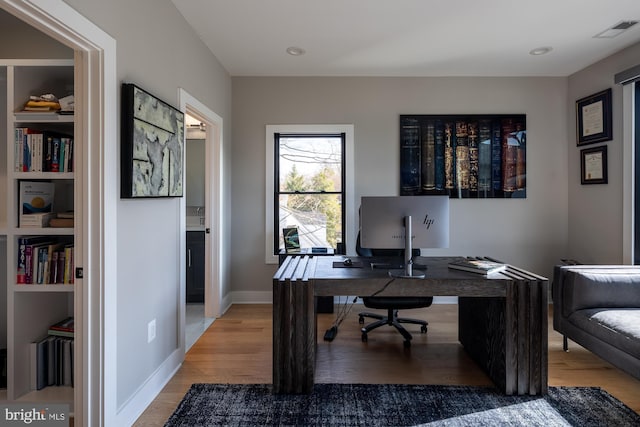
{"x": 308, "y": 190}
{"x": 309, "y": 187}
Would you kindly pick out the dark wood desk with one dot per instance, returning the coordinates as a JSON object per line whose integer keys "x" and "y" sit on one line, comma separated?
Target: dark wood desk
{"x": 502, "y": 317}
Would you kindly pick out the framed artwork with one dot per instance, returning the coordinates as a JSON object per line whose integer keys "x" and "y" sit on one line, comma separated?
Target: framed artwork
{"x": 291, "y": 239}
{"x": 593, "y": 165}
{"x": 593, "y": 118}
{"x": 463, "y": 156}
{"x": 152, "y": 146}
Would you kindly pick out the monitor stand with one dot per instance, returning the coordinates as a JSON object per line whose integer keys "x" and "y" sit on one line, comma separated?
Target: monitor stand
{"x": 408, "y": 272}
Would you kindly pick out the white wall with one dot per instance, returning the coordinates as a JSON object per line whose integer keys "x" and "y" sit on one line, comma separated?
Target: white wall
{"x": 531, "y": 233}
{"x": 595, "y": 212}
{"x": 158, "y": 51}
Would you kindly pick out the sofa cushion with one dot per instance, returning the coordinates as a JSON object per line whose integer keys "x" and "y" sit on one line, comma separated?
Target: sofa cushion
{"x": 618, "y": 327}
{"x": 601, "y": 288}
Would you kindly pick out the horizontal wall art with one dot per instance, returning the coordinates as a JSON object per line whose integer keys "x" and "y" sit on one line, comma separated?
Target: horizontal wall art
{"x": 463, "y": 156}
{"x": 152, "y": 146}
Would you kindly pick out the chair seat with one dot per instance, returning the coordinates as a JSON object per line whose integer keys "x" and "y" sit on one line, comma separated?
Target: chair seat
{"x": 397, "y": 303}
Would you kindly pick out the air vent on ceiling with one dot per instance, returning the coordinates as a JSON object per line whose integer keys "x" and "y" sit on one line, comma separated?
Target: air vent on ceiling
{"x": 616, "y": 30}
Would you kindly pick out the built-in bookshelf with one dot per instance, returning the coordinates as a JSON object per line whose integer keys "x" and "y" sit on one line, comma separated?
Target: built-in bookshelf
{"x": 32, "y": 306}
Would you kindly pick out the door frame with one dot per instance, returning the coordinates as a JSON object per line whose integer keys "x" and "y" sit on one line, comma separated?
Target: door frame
{"x": 213, "y": 211}
{"x": 97, "y": 196}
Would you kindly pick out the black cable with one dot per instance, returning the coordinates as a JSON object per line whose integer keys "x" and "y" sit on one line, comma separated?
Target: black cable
{"x": 384, "y": 287}
{"x": 344, "y": 311}
{"x": 331, "y": 333}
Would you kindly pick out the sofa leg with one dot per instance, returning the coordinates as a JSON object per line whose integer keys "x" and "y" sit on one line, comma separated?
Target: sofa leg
{"x": 565, "y": 343}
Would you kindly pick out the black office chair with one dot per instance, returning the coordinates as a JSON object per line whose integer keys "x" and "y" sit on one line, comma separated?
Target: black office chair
{"x": 391, "y": 304}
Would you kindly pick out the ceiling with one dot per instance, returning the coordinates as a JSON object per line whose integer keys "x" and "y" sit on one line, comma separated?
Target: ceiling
{"x": 409, "y": 37}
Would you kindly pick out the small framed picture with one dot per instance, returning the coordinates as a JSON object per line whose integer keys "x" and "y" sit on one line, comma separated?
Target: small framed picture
{"x": 291, "y": 239}
{"x": 593, "y": 118}
{"x": 593, "y": 166}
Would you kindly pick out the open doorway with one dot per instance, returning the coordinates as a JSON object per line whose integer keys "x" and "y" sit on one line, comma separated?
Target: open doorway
{"x": 195, "y": 171}
{"x": 202, "y": 213}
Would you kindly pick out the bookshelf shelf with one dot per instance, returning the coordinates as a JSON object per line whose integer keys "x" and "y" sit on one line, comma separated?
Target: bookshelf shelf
{"x": 49, "y": 231}
{"x": 43, "y": 288}
{"x": 32, "y": 308}
{"x": 21, "y": 118}
{"x": 42, "y": 175}
{"x": 52, "y": 394}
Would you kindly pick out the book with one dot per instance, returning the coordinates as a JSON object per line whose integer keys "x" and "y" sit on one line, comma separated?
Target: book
{"x": 65, "y": 325}
{"x": 61, "y": 222}
{"x": 36, "y": 196}
{"x": 463, "y": 161}
{"x": 472, "y": 138}
{"x": 39, "y": 364}
{"x": 410, "y": 153}
{"x": 479, "y": 266}
{"x": 428, "y": 156}
{"x": 484, "y": 158}
{"x": 449, "y": 156}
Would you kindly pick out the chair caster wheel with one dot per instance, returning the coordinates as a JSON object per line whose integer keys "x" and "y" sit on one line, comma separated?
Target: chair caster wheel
{"x": 423, "y": 329}
{"x": 407, "y": 344}
{"x": 365, "y": 338}
{"x": 361, "y": 320}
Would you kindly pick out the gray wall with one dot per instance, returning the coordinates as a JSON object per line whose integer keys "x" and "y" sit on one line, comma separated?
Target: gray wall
{"x": 531, "y": 233}
{"x": 595, "y": 211}
{"x": 40, "y": 45}
{"x": 158, "y": 51}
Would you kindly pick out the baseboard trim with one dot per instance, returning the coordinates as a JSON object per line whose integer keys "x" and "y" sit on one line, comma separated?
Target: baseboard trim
{"x": 131, "y": 410}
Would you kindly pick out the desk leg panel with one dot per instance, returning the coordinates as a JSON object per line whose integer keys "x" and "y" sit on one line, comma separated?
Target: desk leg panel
{"x": 481, "y": 330}
{"x": 507, "y": 337}
{"x": 538, "y": 324}
{"x": 294, "y": 336}
{"x": 523, "y": 338}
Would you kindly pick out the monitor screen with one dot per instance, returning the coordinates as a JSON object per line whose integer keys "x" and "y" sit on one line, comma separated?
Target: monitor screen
{"x": 382, "y": 221}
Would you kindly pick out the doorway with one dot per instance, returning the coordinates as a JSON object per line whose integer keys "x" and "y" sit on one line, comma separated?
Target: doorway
{"x": 195, "y": 171}
{"x": 201, "y": 209}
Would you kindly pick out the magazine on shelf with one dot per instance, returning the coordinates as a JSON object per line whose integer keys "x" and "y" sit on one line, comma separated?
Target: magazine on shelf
{"x": 480, "y": 266}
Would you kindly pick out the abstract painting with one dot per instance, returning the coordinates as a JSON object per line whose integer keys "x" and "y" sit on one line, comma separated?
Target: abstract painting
{"x": 152, "y": 146}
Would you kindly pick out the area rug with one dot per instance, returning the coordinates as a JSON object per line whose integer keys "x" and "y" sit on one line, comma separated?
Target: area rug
{"x": 397, "y": 405}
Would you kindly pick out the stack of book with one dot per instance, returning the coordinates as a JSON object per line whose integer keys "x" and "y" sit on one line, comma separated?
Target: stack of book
{"x": 38, "y": 151}
{"x": 44, "y": 260}
{"x": 52, "y": 357}
{"x": 475, "y": 265}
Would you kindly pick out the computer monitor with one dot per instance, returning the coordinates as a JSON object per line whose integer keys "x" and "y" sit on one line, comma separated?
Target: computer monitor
{"x": 404, "y": 222}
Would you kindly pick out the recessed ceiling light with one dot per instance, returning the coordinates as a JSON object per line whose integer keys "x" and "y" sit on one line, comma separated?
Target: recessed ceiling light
{"x": 540, "y": 50}
{"x": 295, "y": 51}
{"x": 615, "y": 30}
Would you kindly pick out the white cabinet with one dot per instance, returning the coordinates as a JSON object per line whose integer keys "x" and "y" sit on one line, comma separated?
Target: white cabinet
{"x": 31, "y": 308}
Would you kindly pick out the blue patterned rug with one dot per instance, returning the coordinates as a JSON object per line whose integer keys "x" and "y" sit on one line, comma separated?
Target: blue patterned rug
{"x": 397, "y": 405}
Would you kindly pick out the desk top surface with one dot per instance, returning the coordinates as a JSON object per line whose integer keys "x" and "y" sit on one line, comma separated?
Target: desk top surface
{"x": 360, "y": 278}
{"x": 434, "y": 268}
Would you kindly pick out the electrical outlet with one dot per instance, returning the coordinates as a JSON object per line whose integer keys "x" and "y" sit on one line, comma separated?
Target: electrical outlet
{"x": 151, "y": 331}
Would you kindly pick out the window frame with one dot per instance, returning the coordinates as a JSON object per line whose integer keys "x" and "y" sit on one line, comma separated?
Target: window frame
{"x": 271, "y": 234}
{"x": 276, "y": 183}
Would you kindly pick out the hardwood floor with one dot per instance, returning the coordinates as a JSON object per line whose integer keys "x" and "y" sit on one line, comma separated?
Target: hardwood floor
{"x": 237, "y": 349}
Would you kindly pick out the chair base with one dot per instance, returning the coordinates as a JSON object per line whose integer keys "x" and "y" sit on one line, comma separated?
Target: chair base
{"x": 391, "y": 319}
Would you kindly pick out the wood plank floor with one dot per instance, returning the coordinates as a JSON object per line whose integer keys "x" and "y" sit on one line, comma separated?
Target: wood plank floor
{"x": 237, "y": 349}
